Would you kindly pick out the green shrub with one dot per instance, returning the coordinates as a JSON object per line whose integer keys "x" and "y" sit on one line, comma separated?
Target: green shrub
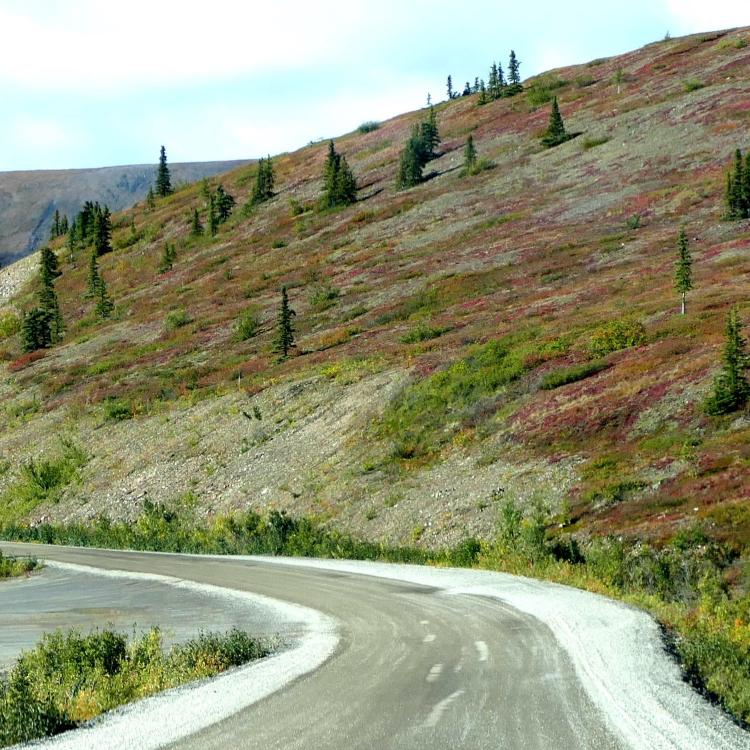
{"x": 566, "y": 375}
{"x": 542, "y": 89}
{"x": 117, "y": 410}
{"x": 480, "y": 165}
{"x": 585, "y": 80}
{"x": 423, "y": 332}
{"x": 16, "y": 566}
{"x": 70, "y": 678}
{"x": 323, "y": 296}
{"x": 10, "y": 325}
{"x": 247, "y": 325}
{"x": 42, "y": 480}
{"x": 616, "y": 335}
{"x": 177, "y": 319}
{"x": 692, "y": 84}
{"x": 368, "y": 127}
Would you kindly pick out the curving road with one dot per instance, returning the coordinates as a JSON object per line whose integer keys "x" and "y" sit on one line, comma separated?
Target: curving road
{"x": 417, "y": 666}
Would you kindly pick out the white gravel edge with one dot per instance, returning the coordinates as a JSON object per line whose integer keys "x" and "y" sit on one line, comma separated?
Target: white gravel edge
{"x": 170, "y": 716}
{"x": 617, "y": 652}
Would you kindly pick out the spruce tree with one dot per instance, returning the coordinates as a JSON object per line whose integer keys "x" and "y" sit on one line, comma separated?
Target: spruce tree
{"x": 94, "y": 277}
{"x": 346, "y": 184}
{"x": 102, "y": 231}
{"x": 470, "y": 154}
{"x": 213, "y": 219}
{"x": 501, "y": 78}
{"x": 196, "y": 227}
{"x": 449, "y": 86}
{"x": 412, "y": 162}
{"x": 104, "y": 304}
{"x": 35, "y": 330}
{"x": 150, "y": 199}
{"x": 284, "y": 339}
{"x": 555, "y": 133}
{"x": 163, "y": 179}
{"x": 48, "y": 272}
{"x": 493, "y": 86}
{"x": 339, "y": 183}
{"x": 467, "y": 89}
{"x": 683, "y": 275}
{"x": 731, "y": 388}
{"x": 264, "y": 181}
{"x": 430, "y": 135}
{"x": 56, "y": 229}
{"x": 738, "y": 185}
{"x": 63, "y": 225}
{"x": 224, "y": 204}
{"x": 167, "y": 257}
{"x": 514, "y": 74}
{"x": 482, "y": 93}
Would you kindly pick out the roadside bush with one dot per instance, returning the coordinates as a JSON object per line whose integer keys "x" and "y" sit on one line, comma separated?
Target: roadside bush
{"x": 616, "y": 335}
{"x": 14, "y": 566}
{"x": 70, "y": 678}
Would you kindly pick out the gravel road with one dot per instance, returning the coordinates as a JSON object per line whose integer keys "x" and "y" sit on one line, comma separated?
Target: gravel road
{"x": 425, "y": 658}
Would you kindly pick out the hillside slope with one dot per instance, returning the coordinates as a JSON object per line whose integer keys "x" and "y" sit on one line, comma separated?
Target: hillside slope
{"x": 28, "y": 200}
{"x": 427, "y": 321}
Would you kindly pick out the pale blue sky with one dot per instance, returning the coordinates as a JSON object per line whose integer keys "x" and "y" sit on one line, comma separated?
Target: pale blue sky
{"x": 87, "y": 83}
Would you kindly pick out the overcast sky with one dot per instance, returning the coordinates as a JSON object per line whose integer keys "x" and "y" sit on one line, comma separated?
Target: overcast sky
{"x": 87, "y": 83}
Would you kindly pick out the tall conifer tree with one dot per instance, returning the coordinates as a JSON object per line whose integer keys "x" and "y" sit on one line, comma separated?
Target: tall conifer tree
{"x": 284, "y": 339}
{"x": 163, "y": 178}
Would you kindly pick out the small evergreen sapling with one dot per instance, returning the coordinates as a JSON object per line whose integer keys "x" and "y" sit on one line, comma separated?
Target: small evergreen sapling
{"x": 731, "y": 388}
{"x": 168, "y": 257}
{"x": 555, "y": 133}
{"x": 284, "y": 339}
{"x": 683, "y": 275}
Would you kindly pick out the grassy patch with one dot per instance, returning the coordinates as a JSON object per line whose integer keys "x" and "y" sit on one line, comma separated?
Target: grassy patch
{"x": 566, "y": 375}
{"x": 423, "y": 332}
{"x": 70, "y": 678}
{"x": 429, "y": 412}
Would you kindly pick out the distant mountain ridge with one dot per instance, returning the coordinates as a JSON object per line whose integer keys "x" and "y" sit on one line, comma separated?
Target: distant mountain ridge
{"x": 28, "y": 200}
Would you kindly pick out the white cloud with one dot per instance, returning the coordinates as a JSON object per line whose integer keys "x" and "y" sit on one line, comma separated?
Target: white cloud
{"x": 93, "y": 45}
{"x": 693, "y": 16}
